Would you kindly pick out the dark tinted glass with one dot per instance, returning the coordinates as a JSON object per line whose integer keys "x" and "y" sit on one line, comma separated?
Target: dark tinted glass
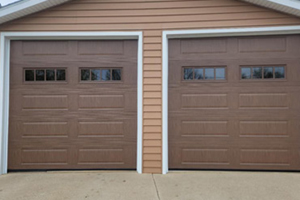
{"x": 116, "y": 74}
{"x": 279, "y": 72}
{"x": 50, "y": 75}
{"x": 105, "y": 75}
{"x": 220, "y": 73}
{"x": 209, "y": 73}
{"x": 188, "y": 73}
{"x": 61, "y": 75}
{"x": 199, "y": 74}
{"x": 40, "y": 75}
{"x": 96, "y": 75}
{"x": 246, "y": 73}
{"x": 29, "y": 75}
{"x": 268, "y": 72}
{"x": 257, "y": 72}
{"x": 85, "y": 74}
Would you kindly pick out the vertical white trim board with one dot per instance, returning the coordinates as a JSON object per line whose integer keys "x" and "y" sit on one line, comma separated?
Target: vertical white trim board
{"x": 6, "y": 37}
{"x": 205, "y": 33}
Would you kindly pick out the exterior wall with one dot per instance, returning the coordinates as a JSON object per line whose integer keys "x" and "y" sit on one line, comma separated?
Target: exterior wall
{"x": 151, "y": 17}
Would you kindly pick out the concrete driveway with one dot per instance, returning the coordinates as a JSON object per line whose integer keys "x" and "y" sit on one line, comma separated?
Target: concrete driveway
{"x": 206, "y": 185}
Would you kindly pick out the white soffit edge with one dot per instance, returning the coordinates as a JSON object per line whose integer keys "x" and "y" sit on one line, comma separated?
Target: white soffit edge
{"x": 26, "y": 7}
{"x": 287, "y": 6}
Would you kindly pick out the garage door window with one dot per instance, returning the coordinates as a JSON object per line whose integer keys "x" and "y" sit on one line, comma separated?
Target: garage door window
{"x": 110, "y": 74}
{"x": 204, "y": 73}
{"x": 42, "y": 75}
{"x": 263, "y": 72}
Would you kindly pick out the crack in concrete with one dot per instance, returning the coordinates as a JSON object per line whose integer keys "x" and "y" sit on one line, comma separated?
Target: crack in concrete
{"x": 157, "y": 193}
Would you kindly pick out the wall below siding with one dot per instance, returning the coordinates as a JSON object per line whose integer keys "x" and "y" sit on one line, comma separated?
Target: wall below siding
{"x": 151, "y": 17}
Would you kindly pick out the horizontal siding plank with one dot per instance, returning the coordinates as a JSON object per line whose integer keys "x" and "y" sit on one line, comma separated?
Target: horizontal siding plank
{"x": 153, "y": 115}
{"x": 153, "y": 12}
{"x": 152, "y": 136}
{"x": 152, "y": 74}
{"x": 138, "y": 26}
{"x": 153, "y": 33}
{"x": 154, "y": 60}
{"x": 152, "y": 81}
{"x": 152, "y": 40}
{"x": 152, "y": 108}
{"x": 156, "y": 156}
{"x": 152, "y": 129}
{"x": 152, "y": 88}
{"x": 157, "y": 101}
{"x": 152, "y": 66}
{"x": 153, "y": 95}
{"x": 156, "y": 170}
{"x": 152, "y": 143}
{"x": 152, "y": 150}
{"x": 146, "y": 5}
{"x": 153, "y": 19}
{"x": 152, "y": 163}
{"x": 149, "y": 122}
{"x": 152, "y": 54}
{"x": 152, "y": 46}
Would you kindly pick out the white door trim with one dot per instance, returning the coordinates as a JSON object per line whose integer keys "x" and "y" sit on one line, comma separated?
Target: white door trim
{"x": 205, "y": 33}
{"x": 5, "y": 39}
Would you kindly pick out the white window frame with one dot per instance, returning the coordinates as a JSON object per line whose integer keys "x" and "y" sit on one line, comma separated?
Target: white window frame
{"x": 205, "y": 33}
{"x": 6, "y": 37}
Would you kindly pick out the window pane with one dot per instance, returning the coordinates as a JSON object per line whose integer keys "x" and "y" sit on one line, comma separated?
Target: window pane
{"x": 85, "y": 74}
{"x": 105, "y": 74}
{"x": 279, "y": 72}
{"x": 246, "y": 73}
{"x": 29, "y": 75}
{"x": 96, "y": 75}
{"x": 40, "y": 75}
{"x": 116, "y": 74}
{"x": 188, "y": 73}
{"x": 257, "y": 72}
{"x": 220, "y": 73}
{"x": 209, "y": 73}
{"x": 268, "y": 72}
{"x": 60, "y": 75}
{"x": 199, "y": 74}
{"x": 50, "y": 75}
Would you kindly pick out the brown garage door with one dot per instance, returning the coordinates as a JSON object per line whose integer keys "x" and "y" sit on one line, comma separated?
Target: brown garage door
{"x": 234, "y": 103}
{"x": 73, "y": 105}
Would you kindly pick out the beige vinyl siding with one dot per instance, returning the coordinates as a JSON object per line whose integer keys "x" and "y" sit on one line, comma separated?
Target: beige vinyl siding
{"x": 151, "y": 17}
{"x": 152, "y": 160}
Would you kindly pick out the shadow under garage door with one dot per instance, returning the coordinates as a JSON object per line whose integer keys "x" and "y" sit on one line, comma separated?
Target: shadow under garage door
{"x": 73, "y": 105}
{"x": 234, "y": 103}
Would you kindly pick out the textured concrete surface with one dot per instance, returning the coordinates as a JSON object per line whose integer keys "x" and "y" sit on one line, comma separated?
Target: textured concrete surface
{"x": 77, "y": 186}
{"x": 206, "y": 185}
{"x": 214, "y": 185}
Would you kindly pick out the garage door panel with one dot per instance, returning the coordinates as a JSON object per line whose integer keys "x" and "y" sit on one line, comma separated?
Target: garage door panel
{"x": 200, "y": 158}
{"x": 236, "y": 123}
{"x": 264, "y": 128}
{"x": 264, "y": 101}
{"x": 204, "y": 128}
{"x": 205, "y": 156}
{"x": 73, "y": 124}
{"x": 45, "y": 102}
{"x": 262, "y": 44}
{"x": 101, "y": 102}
